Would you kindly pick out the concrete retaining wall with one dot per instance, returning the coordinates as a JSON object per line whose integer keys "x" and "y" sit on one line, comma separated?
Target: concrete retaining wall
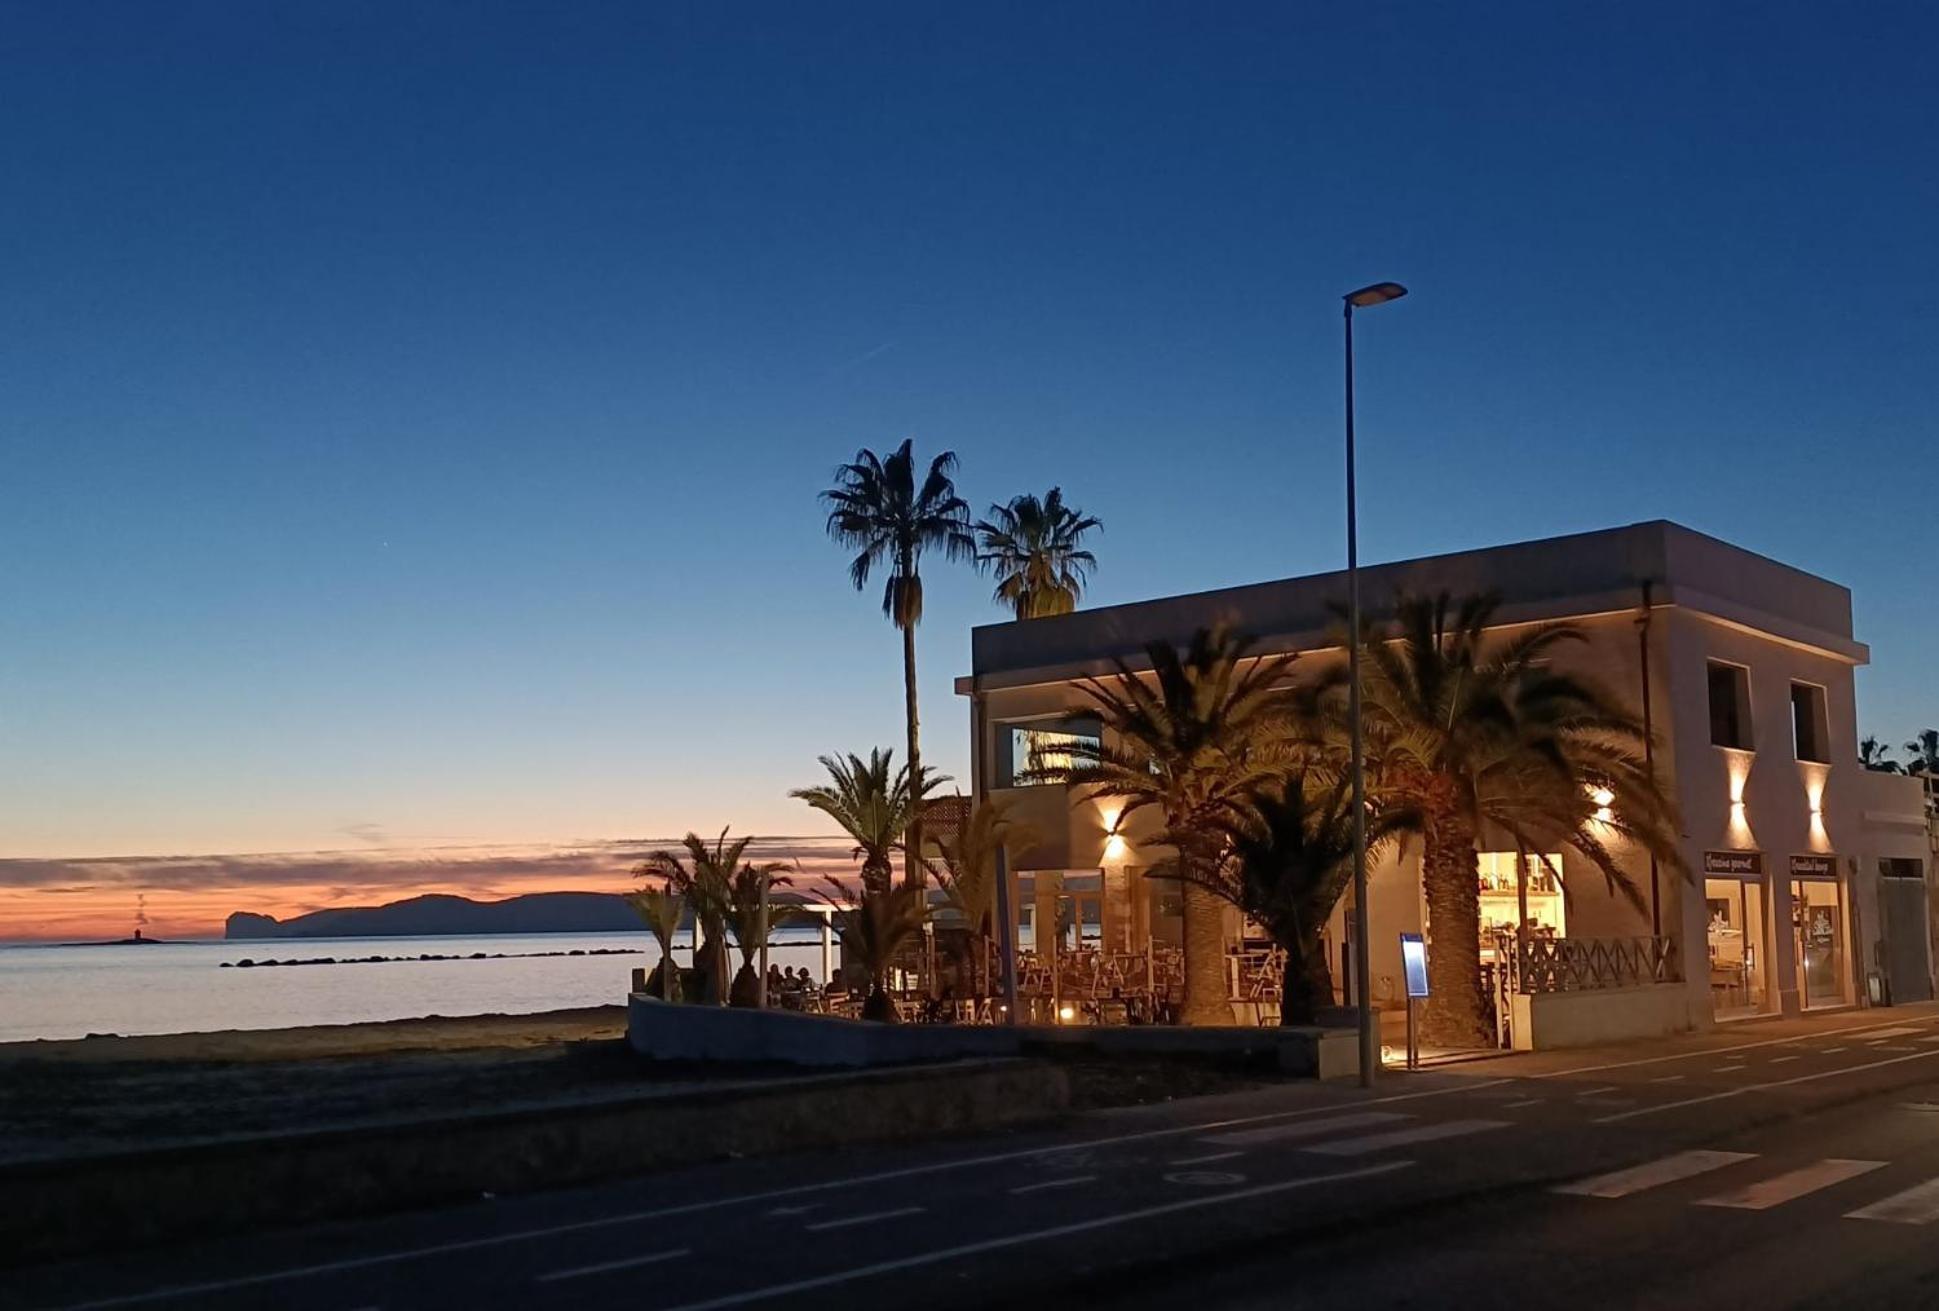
{"x": 64, "y": 1207}
{"x": 1547, "y": 1020}
{"x": 672, "y": 1032}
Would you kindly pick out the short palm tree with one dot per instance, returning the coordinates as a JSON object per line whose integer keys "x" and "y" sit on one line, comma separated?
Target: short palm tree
{"x": 878, "y": 510}
{"x": 703, "y": 877}
{"x": 1034, "y": 547}
{"x": 1923, "y": 753}
{"x": 661, "y": 908}
{"x": 1871, "y": 754}
{"x": 1196, "y": 740}
{"x": 875, "y": 927}
{"x": 1468, "y": 736}
{"x": 1288, "y": 869}
{"x": 752, "y": 917}
{"x": 967, "y": 871}
{"x": 870, "y": 800}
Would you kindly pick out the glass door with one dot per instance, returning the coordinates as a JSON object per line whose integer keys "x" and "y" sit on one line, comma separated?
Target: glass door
{"x": 1736, "y": 941}
{"x": 1818, "y": 931}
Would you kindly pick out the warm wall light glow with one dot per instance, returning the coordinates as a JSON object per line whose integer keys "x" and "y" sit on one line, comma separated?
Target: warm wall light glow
{"x": 1738, "y": 764}
{"x": 1814, "y": 776}
{"x": 1066, "y": 1013}
{"x": 1109, "y": 813}
{"x": 1605, "y": 802}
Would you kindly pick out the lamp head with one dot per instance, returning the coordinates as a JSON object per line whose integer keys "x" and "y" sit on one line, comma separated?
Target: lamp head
{"x": 1377, "y": 294}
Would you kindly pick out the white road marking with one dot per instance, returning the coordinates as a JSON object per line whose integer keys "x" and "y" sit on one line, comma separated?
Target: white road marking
{"x": 1697, "y": 1054}
{"x": 1424, "y": 1133}
{"x": 1893, "y": 1047}
{"x": 1902, "y": 1031}
{"x": 627, "y": 1263}
{"x": 1779, "y": 1060}
{"x": 1056, "y": 1183}
{"x": 1683, "y": 1165}
{"x": 1832, "y": 1051}
{"x": 863, "y": 1219}
{"x": 796, "y": 1210}
{"x": 1205, "y": 1160}
{"x": 1304, "y": 1129}
{"x": 1667, "y": 1078}
{"x": 1760, "y": 1087}
{"x": 1034, "y": 1235}
{"x": 1597, "y": 1092}
{"x": 1918, "y": 1205}
{"x": 1766, "y": 1193}
{"x": 715, "y": 1204}
{"x": 1526, "y": 1101}
{"x": 1933, "y": 1038}
{"x": 1729, "y": 1069}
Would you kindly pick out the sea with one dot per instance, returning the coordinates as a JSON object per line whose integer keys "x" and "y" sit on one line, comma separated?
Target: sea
{"x": 70, "y": 991}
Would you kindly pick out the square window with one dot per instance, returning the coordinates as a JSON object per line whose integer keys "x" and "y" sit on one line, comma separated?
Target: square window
{"x": 1028, "y": 750}
{"x": 1810, "y": 726}
{"x": 1730, "y": 706}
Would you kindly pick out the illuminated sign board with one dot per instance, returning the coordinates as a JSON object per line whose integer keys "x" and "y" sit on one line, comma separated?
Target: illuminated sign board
{"x": 1734, "y": 862}
{"x": 1814, "y": 867}
{"x": 1413, "y": 960}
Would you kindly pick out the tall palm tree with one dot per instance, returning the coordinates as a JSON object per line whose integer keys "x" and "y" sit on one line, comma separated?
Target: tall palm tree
{"x": 1288, "y": 871}
{"x": 877, "y": 509}
{"x": 874, "y": 928}
{"x": 967, "y": 871}
{"x": 661, "y": 908}
{"x": 1195, "y": 740}
{"x": 870, "y": 800}
{"x": 1871, "y": 754}
{"x": 1034, "y": 549}
{"x": 1472, "y": 736}
{"x": 1923, "y": 753}
{"x": 703, "y": 877}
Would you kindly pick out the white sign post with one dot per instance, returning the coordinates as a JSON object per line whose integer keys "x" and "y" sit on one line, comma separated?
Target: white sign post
{"x": 1413, "y": 959}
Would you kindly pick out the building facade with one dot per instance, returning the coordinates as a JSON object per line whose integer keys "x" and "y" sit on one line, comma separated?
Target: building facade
{"x": 1804, "y": 884}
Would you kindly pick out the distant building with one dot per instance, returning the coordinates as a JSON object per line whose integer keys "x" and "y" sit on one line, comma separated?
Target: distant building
{"x": 1808, "y": 873}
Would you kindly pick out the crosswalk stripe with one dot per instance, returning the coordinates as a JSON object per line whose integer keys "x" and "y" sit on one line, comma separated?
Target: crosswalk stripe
{"x": 1766, "y": 1193}
{"x": 1423, "y": 1133}
{"x": 1274, "y": 1133}
{"x": 1683, "y": 1165}
{"x": 1915, "y": 1206}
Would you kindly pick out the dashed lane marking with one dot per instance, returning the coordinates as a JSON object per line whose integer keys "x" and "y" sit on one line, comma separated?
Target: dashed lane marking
{"x": 848, "y": 1220}
{"x": 1760, "y": 1087}
{"x": 1047, "y": 1184}
{"x": 1205, "y": 1160}
{"x": 1033, "y": 1236}
{"x": 1274, "y": 1133}
{"x": 606, "y": 1267}
{"x": 1425, "y": 1133}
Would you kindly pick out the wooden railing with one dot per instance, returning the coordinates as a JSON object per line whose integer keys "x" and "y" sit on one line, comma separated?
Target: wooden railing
{"x": 1537, "y": 965}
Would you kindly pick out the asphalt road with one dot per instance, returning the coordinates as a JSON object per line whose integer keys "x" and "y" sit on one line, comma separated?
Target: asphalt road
{"x": 1793, "y": 1163}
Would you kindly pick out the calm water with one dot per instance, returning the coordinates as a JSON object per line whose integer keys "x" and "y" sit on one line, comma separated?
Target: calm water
{"x": 69, "y": 992}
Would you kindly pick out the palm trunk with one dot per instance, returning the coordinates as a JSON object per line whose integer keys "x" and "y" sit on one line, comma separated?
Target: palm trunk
{"x": 1206, "y": 1002}
{"x": 1456, "y": 1014}
{"x": 912, "y": 852}
{"x": 1308, "y": 981}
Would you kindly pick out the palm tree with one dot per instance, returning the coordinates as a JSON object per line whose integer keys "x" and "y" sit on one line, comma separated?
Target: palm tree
{"x": 1471, "y": 737}
{"x": 1871, "y": 754}
{"x": 661, "y": 908}
{"x": 1923, "y": 751}
{"x": 877, "y": 510}
{"x": 1195, "y": 740}
{"x": 751, "y": 916}
{"x": 1033, "y": 548}
{"x": 874, "y": 928}
{"x": 1288, "y": 870}
{"x": 704, "y": 879}
{"x": 870, "y": 800}
{"x": 968, "y": 870}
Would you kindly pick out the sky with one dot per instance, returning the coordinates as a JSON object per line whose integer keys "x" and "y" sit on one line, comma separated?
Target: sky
{"x": 411, "y": 415}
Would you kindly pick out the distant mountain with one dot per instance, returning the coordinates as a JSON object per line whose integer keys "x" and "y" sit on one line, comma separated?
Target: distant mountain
{"x": 538, "y": 912}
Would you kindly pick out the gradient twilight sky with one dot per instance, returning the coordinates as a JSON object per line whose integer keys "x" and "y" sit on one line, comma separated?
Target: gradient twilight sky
{"x": 412, "y": 414}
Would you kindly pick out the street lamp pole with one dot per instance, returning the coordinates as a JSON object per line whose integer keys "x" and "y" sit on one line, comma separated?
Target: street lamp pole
{"x": 1377, "y": 294}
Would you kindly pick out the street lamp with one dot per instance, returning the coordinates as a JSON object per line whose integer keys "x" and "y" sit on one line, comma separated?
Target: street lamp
{"x": 1377, "y": 294}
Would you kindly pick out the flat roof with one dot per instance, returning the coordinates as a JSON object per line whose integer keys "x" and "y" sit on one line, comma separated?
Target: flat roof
{"x": 1573, "y": 576}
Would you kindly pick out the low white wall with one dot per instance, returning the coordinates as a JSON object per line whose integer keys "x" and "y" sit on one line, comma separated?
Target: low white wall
{"x": 1547, "y": 1020}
